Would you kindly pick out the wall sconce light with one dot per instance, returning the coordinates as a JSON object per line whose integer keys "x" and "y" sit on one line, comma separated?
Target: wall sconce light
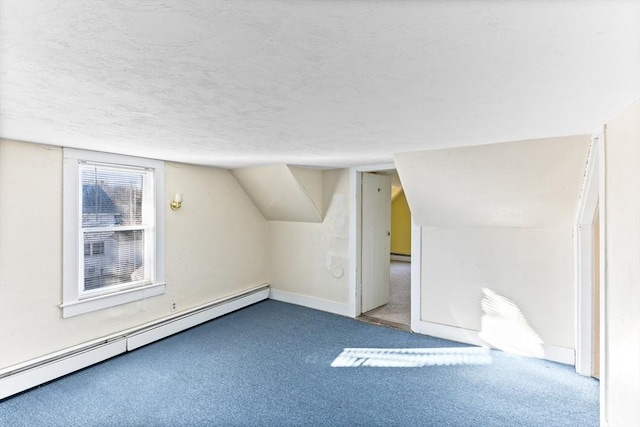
{"x": 176, "y": 204}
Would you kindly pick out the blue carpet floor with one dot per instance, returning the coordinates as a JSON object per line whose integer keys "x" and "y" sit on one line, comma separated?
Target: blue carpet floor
{"x": 270, "y": 365}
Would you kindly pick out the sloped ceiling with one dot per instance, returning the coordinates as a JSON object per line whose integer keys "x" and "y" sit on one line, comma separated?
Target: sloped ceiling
{"x": 533, "y": 183}
{"x": 283, "y": 193}
{"x": 244, "y": 83}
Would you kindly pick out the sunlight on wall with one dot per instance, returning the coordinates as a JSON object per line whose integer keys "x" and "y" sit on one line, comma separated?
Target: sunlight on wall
{"x": 504, "y": 326}
{"x": 411, "y": 357}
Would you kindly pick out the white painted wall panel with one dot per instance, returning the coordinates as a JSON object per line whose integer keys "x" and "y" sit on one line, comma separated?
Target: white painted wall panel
{"x": 500, "y": 217}
{"x": 531, "y": 267}
{"x": 622, "y": 268}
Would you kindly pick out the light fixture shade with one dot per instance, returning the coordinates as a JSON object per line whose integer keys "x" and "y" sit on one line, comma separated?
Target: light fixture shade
{"x": 176, "y": 204}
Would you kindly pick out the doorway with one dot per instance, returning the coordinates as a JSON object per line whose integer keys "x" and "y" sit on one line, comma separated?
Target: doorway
{"x": 385, "y": 251}
{"x": 588, "y": 269}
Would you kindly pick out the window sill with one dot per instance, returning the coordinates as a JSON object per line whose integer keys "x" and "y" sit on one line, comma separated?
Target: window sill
{"x": 87, "y": 305}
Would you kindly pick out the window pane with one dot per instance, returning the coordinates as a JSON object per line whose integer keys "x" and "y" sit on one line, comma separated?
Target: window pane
{"x": 117, "y": 258}
{"x": 111, "y": 196}
{"x": 97, "y": 248}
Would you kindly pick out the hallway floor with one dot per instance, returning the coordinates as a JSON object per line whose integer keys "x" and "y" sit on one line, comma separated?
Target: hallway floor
{"x": 398, "y": 311}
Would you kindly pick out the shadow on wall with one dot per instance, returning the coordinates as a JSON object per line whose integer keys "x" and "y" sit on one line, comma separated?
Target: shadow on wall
{"x": 504, "y": 326}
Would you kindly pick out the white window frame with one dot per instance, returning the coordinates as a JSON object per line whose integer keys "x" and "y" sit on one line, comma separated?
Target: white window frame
{"x": 75, "y": 300}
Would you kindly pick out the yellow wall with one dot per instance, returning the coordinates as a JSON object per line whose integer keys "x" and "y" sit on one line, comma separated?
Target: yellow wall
{"x": 400, "y": 225}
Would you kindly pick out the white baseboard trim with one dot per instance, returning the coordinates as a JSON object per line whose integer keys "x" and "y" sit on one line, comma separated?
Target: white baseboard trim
{"x": 553, "y": 353}
{"x": 17, "y": 378}
{"x": 310, "y": 302}
{"x": 399, "y": 257}
{"x": 41, "y": 374}
{"x": 447, "y": 332}
{"x": 558, "y": 354}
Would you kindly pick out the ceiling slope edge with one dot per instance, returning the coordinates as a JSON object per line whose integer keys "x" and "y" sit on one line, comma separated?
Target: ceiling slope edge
{"x": 283, "y": 192}
{"x": 522, "y": 184}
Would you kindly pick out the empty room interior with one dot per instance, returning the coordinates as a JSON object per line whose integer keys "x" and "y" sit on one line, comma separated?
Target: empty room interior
{"x": 320, "y": 213}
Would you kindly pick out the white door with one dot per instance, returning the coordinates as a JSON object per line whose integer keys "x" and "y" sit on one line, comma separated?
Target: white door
{"x": 376, "y": 240}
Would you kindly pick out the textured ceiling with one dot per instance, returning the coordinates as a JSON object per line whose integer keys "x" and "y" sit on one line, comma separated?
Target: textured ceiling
{"x": 327, "y": 83}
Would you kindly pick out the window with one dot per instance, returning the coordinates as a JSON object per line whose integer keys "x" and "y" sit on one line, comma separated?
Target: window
{"x": 95, "y": 248}
{"x": 113, "y": 230}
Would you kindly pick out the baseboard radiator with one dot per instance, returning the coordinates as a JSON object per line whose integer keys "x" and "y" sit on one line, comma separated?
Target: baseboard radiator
{"x": 17, "y": 378}
{"x": 400, "y": 257}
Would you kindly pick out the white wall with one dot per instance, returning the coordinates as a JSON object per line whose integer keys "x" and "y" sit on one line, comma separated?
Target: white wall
{"x": 531, "y": 267}
{"x": 311, "y": 260}
{"x": 216, "y": 245}
{"x": 499, "y": 217}
{"x": 622, "y": 269}
{"x": 533, "y": 183}
{"x": 311, "y": 181}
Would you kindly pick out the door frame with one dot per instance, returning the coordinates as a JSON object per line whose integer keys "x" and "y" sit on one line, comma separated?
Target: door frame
{"x": 355, "y": 234}
{"x": 355, "y": 245}
{"x": 592, "y": 199}
{"x": 416, "y": 275}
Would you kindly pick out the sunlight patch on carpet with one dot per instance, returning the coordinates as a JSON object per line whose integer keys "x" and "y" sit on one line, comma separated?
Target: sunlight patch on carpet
{"x": 411, "y": 357}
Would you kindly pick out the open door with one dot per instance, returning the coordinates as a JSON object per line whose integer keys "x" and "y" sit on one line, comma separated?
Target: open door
{"x": 376, "y": 240}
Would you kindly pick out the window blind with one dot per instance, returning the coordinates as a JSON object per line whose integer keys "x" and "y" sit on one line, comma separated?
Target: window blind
{"x": 117, "y": 223}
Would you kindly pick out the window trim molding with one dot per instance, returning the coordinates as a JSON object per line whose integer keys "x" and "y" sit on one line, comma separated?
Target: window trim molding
{"x": 72, "y": 304}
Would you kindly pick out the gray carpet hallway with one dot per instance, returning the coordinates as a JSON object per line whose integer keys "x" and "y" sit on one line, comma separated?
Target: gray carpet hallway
{"x": 398, "y": 310}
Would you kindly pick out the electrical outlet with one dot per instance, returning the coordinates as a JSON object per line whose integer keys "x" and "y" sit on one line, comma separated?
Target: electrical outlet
{"x": 173, "y": 306}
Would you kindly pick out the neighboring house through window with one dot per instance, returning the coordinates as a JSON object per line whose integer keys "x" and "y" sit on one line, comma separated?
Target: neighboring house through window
{"x": 113, "y": 230}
